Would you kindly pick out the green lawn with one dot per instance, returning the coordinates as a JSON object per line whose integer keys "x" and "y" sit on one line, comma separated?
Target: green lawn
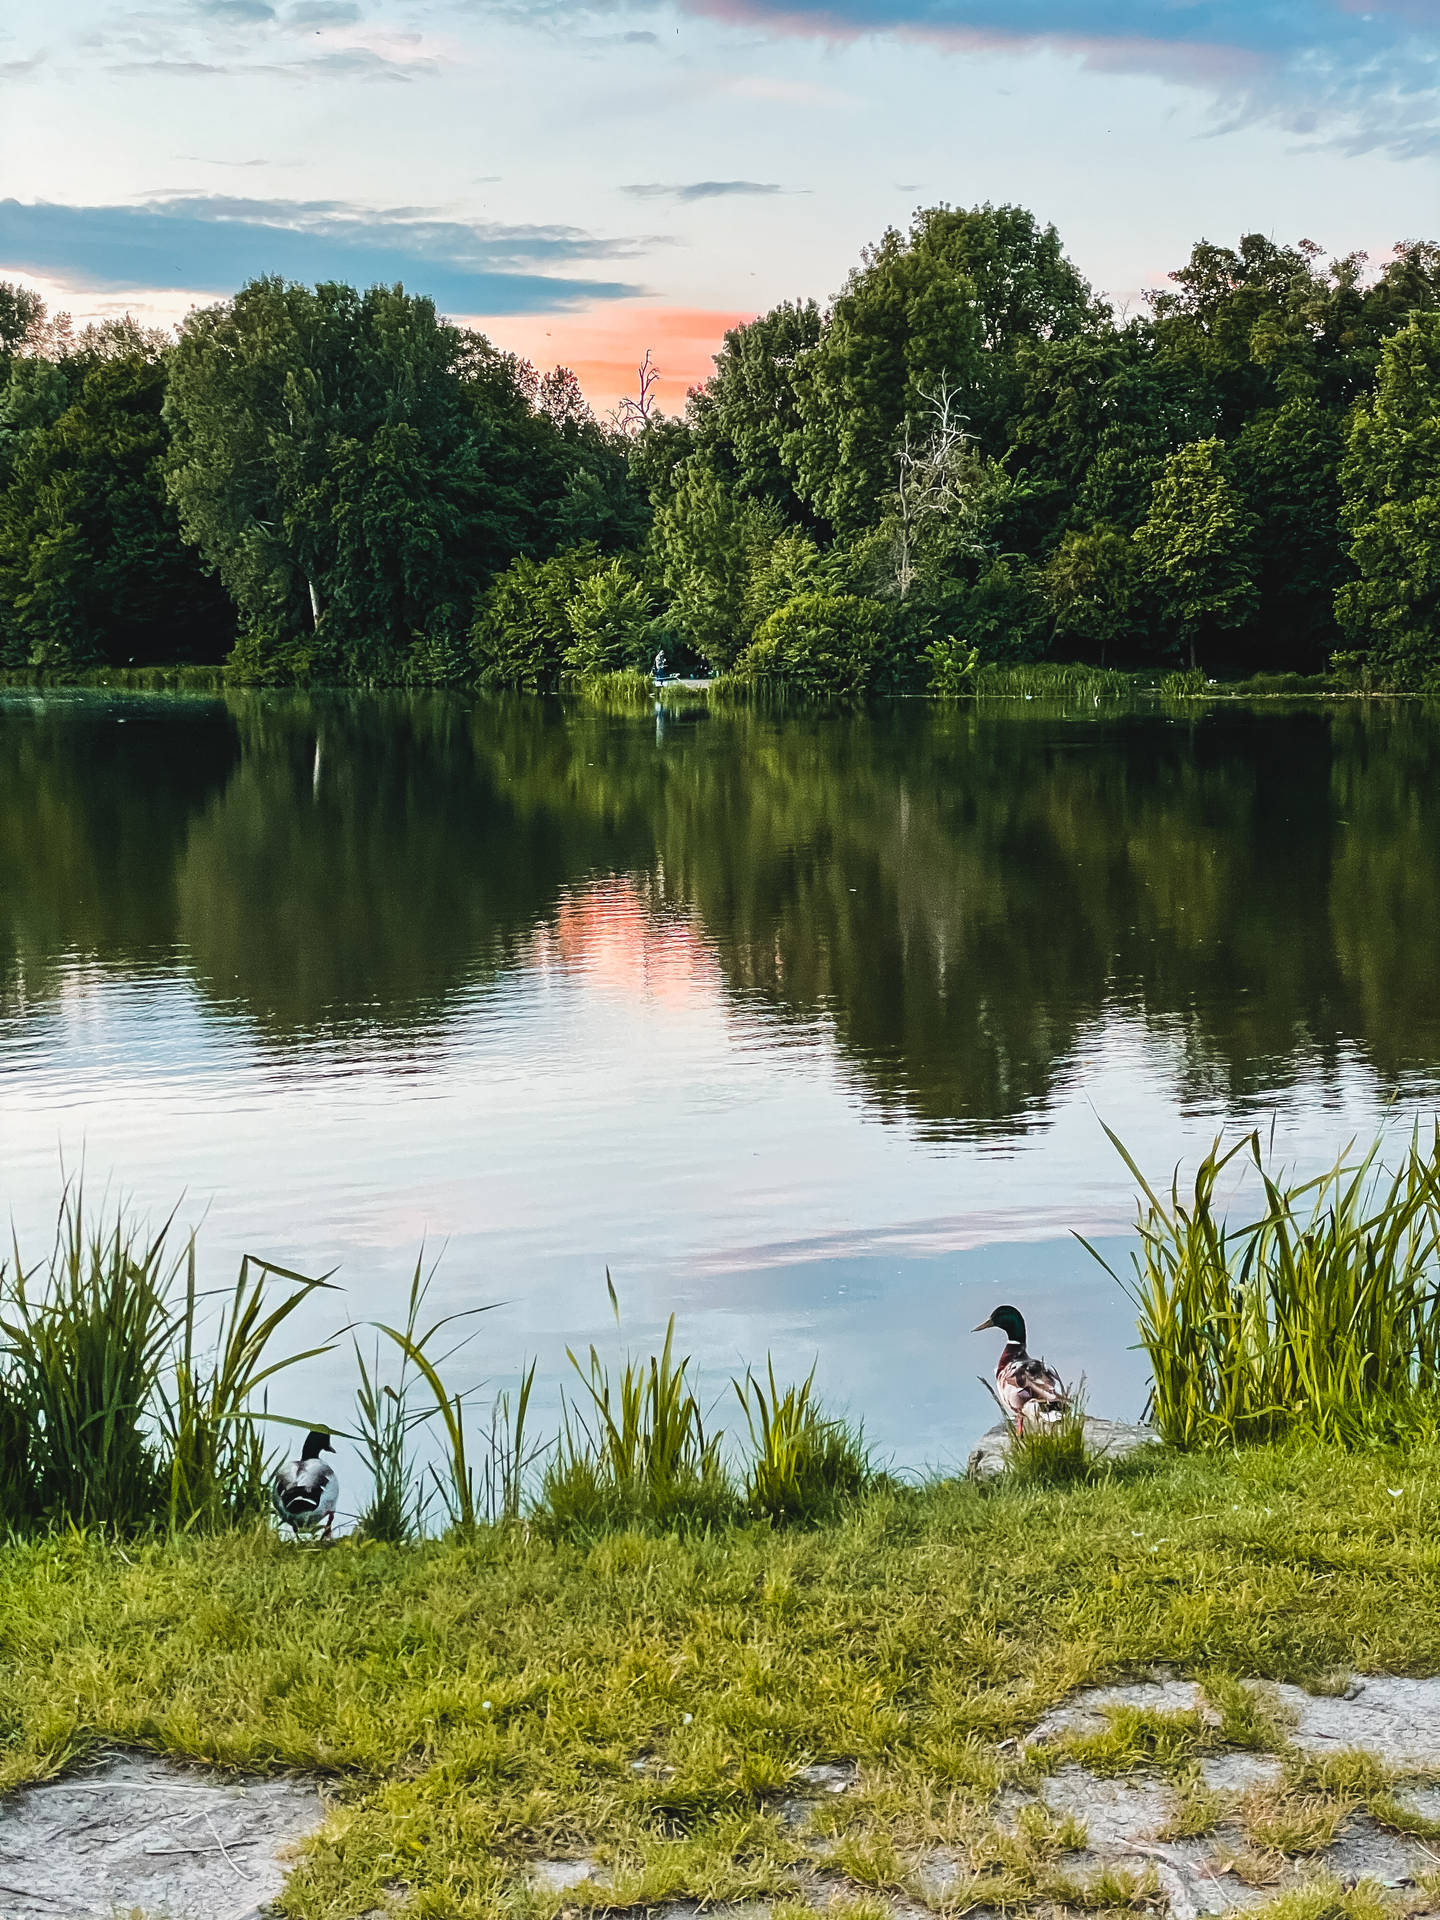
{"x": 646, "y": 1700}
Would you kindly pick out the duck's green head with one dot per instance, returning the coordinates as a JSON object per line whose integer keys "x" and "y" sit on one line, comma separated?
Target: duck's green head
{"x": 1007, "y": 1320}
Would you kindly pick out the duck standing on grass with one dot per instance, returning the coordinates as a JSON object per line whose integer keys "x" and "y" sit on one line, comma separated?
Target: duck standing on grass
{"x": 1023, "y": 1385}
{"x": 306, "y": 1490}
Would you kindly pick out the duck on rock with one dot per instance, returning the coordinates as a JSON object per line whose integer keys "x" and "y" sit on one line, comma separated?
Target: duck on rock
{"x": 305, "y": 1490}
{"x": 1022, "y": 1385}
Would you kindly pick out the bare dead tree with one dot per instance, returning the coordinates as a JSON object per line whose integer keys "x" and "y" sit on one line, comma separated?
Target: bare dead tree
{"x": 936, "y": 468}
{"x": 633, "y": 415}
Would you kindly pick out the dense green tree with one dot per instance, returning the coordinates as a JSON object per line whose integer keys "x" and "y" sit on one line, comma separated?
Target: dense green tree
{"x": 1391, "y": 481}
{"x": 1196, "y": 542}
{"x": 706, "y": 542}
{"x": 522, "y": 629}
{"x": 92, "y": 566}
{"x": 1092, "y": 585}
{"x": 609, "y": 617}
{"x": 748, "y": 412}
{"x": 827, "y": 645}
{"x": 22, "y": 314}
{"x": 1286, "y": 462}
{"x": 350, "y": 465}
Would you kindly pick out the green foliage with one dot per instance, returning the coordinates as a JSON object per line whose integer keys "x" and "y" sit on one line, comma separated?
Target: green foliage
{"x": 952, "y": 665}
{"x": 609, "y": 620}
{"x": 1391, "y": 481}
{"x": 1196, "y": 544}
{"x": 825, "y": 646}
{"x": 1092, "y": 586}
{"x": 92, "y": 565}
{"x": 522, "y": 629}
{"x": 1321, "y": 1316}
{"x": 707, "y": 541}
{"x": 639, "y": 1457}
{"x": 217, "y": 1468}
{"x": 804, "y": 1464}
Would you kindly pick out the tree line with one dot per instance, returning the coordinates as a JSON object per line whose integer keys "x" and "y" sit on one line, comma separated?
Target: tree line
{"x": 966, "y": 457}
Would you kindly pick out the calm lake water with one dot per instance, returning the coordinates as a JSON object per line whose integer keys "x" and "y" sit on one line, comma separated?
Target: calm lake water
{"x": 804, "y": 1027}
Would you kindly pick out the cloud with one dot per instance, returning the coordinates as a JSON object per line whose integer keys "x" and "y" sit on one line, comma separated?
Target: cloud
{"x": 342, "y": 63}
{"x": 242, "y": 12}
{"x": 701, "y": 189}
{"x": 1362, "y": 76}
{"x": 211, "y": 244}
{"x": 323, "y": 13}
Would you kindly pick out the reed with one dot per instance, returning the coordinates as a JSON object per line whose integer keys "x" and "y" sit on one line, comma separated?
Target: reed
{"x": 1053, "y": 679}
{"x": 456, "y": 1483}
{"x": 1320, "y": 1316}
{"x": 115, "y": 1410}
{"x": 219, "y": 1474}
{"x": 804, "y": 1463}
{"x": 86, "y": 1341}
{"x": 638, "y": 1454}
{"x": 509, "y": 1455}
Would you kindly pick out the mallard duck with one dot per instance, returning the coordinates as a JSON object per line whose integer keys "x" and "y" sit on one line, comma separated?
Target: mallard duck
{"x": 1023, "y": 1384}
{"x": 305, "y": 1490}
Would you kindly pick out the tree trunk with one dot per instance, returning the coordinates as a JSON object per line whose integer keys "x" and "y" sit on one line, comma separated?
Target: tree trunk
{"x": 314, "y": 602}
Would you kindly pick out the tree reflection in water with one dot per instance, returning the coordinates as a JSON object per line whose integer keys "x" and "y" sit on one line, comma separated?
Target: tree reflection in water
{"x": 962, "y": 894}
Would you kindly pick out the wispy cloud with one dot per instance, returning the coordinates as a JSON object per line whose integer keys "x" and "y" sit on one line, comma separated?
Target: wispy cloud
{"x": 323, "y": 13}
{"x": 211, "y": 244}
{"x": 1359, "y": 75}
{"x": 700, "y": 189}
{"x": 241, "y": 11}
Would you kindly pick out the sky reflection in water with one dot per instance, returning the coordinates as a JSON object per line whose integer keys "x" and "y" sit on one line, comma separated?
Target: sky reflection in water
{"x": 804, "y": 1028}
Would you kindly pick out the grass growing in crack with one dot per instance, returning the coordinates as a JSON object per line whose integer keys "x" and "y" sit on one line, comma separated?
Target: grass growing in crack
{"x": 1142, "y": 1737}
{"x": 1326, "y": 1898}
{"x": 1394, "y": 1814}
{"x": 1275, "y": 1820}
{"x": 1195, "y": 1808}
{"x": 1249, "y": 1718}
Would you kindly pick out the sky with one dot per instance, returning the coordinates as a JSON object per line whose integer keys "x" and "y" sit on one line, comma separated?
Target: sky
{"x": 584, "y": 182}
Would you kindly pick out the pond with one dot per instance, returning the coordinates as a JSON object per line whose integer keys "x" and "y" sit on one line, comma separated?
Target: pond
{"x": 803, "y": 1026}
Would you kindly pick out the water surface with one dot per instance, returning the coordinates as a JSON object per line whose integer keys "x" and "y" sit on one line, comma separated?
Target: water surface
{"x": 805, "y": 1027}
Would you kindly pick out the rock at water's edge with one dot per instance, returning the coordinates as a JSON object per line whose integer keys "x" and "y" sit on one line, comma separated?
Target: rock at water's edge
{"x": 1105, "y": 1439}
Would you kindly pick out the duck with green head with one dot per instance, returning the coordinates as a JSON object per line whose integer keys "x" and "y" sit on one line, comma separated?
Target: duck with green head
{"x": 1022, "y": 1385}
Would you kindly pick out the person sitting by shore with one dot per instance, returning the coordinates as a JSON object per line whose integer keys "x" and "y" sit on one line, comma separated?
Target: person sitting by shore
{"x": 661, "y": 665}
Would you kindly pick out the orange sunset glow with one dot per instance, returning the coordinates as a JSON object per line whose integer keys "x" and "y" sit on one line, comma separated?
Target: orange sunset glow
{"x": 603, "y": 347}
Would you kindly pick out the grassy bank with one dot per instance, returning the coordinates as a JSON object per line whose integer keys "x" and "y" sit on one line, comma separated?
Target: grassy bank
{"x": 164, "y": 679}
{"x": 648, "y": 1700}
{"x": 631, "y": 690}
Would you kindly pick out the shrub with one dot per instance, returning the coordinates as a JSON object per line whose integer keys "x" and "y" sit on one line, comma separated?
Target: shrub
{"x": 521, "y": 630}
{"x": 609, "y": 621}
{"x": 827, "y": 646}
{"x": 952, "y": 666}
